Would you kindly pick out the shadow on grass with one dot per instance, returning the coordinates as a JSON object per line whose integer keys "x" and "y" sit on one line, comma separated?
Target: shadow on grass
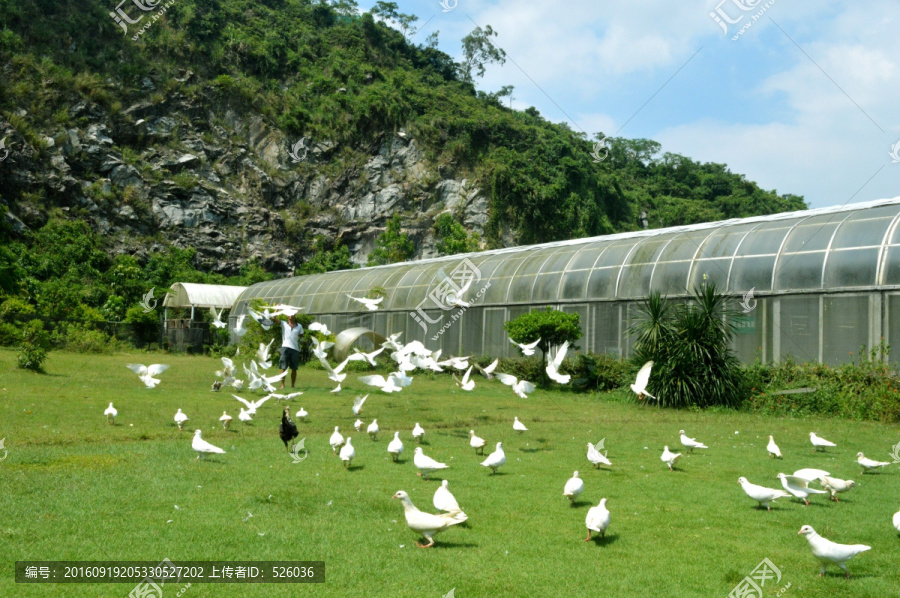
{"x": 451, "y": 545}
{"x": 355, "y": 467}
{"x": 536, "y": 450}
{"x": 605, "y": 540}
{"x": 579, "y": 503}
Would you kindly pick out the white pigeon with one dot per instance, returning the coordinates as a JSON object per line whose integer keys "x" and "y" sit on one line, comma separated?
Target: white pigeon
{"x": 426, "y": 464}
{"x": 370, "y": 304}
{"x": 819, "y": 442}
{"x": 373, "y": 430}
{"x": 237, "y": 384}
{"x": 320, "y": 349}
{"x": 520, "y": 387}
{"x": 301, "y": 415}
{"x": 495, "y": 459}
{"x": 227, "y": 370}
{"x": 286, "y": 310}
{"x": 528, "y": 348}
{"x": 111, "y": 413}
{"x": 252, "y": 406}
{"x": 445, "y": 501}
{"x": 337, "y": 389}
{"x": 476, "y": 443}
{"x": 457, "y": 363}
{"x": 336, "y": 373}
{"x": 640, "y": 382}
{"x": 427, "y": 524}
{"x": 239, "y": 329}
{"x": 287, "y": 397}
{"x": 554, "y": 363}
{"x": 358, "y": 424}
{"x": 596, "y": 457}
{"x": 773, "y": 449}
{"x": 868, "y": 464}
{"x": 262, "y": 355}
{"x": 225, "y": 419}
{"x": 669, "y": 457}
{"x": 245, "y": 416}
{"x": 519, "y": 426}
{"x": 389, "y": 384}
{"x": 836, "y": 485}
{"x": 395, "y": 447}
{"x": 146, "y": 372}
{"x": 368, "y": 357}
{"x": 319, "y": 327}
{"x": 466, "y": 383}
{"x": 358, "y": 404}
{"x": 180, "y": 418}
{"x": 897, "y": 521}
{"x": 761, "y": 494}
{"x": 831, "y": 552}
{"x": 418, "y": 432}
{"x": 336, "y": 440}
{"x": 810, "y": 474}
{"x": 347, "y": 453}
{"x": 574, "y": 486}
{"x": 265, "y": 382}
{"x": 202, "y": 447}
{"x": 799, "y": 487}
{"x": 217, "y": 318}
{"x": 690, "y": 443}
{"x": 597, "y": 520}
{"x": 263, "y": 319}
{"x": 488, "y": 372}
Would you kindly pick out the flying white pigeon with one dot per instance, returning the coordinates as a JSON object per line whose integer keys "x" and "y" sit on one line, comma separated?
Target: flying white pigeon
{"x": 389, "y": 384}
{"x": 263, "y": 319}
{"x": 301, "y": 415}
{"x": 836, "y": 485}
{"x": 348, "y": 453}
{"x": 392, "y": 343}
{"x": 596, "y": 457}
{"x": 371, "y": 304}
{"x": 528, "y": 348}
{"x": 237, "y": 384}
{"x": 225, "y": 419}
{"x": 202, "y": 447}
{"x": 574, "y": 486}
{"x": 466, "y": 383}
{"x": 239, "y": 329}
{"x": 180, "y": 418}
{"x": 358, "y": 404}
{"x": 146, "y": 373}
{"x": 217, "y": 318}
{"x": 520, "y": 387}
{"x": 476, "y": 443}
{"x": 554, "y": 363}
{"x": 869, "y": 464}
{"x": 426, "y": 464}
{"x": 320, "y": 349}
{"x": 669, "y": 457}
{"x": 368, "y": 357}
{"x": 252, "y": 406}
{"x": 336, "y": 440}
{"x": 495, "y": 459}
{"x": 319, "y": 327}
{"x": 111, "y": 414}
{"x": 831, "y": 552}
{"x": 761, "y": 494}
{"x": 373, "y": 430}
{"x": 519, "y": 426}
{"x": 418, "y": 432}
{"x": 690, "y": 443}
{"x": 245, "y": 416}
{"x": 287, "y": 397}
{"x": 799, "y": 487}
{"x": 262, "y": 355}
{"x": 445, "y": 501}
{"x": 286, "y": 310}
{"x": 818, "y": 442}
{"x": 227, "y": 370}
{"x": 773, "y": 449}
{"x": 488, "y": 372}
{"x": 427, "y": 524}
{"x": 457, "y": 363}
{"x": 395, "y": 447}
{"x": 597, "y": 520}
{"x": 358, "y": 424}
{"x": 336, "y": 373}
{"x": 337, "y": 389}
{"x": 640, "y": 382}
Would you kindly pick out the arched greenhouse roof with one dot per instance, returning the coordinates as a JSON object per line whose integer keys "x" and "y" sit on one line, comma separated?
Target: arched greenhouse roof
{"x": 189, "y": 294}
{"x": 851, "y": 247}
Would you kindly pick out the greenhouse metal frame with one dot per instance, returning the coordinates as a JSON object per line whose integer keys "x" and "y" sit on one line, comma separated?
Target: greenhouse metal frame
{"x": 825, "y": 282}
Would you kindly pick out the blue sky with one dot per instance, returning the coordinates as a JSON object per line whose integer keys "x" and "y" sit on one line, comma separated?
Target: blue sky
{"x": 804, "y": 101}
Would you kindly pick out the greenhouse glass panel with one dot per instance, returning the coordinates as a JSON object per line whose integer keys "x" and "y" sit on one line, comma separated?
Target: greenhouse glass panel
{"x": 892, "y": 266}
{"x": 747, "y": 341}
{"x": 860, "y": 233}
{"x": 634, "y": 281}
{"x": 851, "y": 268}
{"x": 716, "y": 271}
{"x": 751, "y": 273}
{"x": 588, "y": 255}
{"x": 397, "y": 322}
{"x": 602, "y": 283}
{"x": 574, "y": 284}
{"x": 647, "y": 251}
{"x": 614, "y": 256}
{"x": 472, "y": 331}
{"x": 605, "y": 324}
{"x": 892, "y": 326}
{"x": 766, "y": 239}
{"x": 583, "y": 322}
{"x": 326, "y": 299}
{"x": 494, "y": 336}
{"x": 496, "y": 293}
{"x": 559, "y": 260}
{"x": 400, "y": 297}
{"x": 448, "y": 340}
{"x": 845, "y": 327}
{"x": 685, "y": 246}
{"x": 670, "y": 278}
{"x": 813, "y": 235}
{"x": 895, "y": 235}
{"x": 799, "y": 271}
{"x": 723, "y": 243}
{"x": 521, "y": 289}
{"x": 546, "y": 287}
{"x": 799, "y": 334}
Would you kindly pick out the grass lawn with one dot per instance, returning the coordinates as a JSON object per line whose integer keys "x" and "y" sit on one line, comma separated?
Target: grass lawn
{"x": 75, "y": 488}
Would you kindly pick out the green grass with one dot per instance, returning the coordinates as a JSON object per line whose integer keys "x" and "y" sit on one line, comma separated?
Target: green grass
{"x": 75, "y": 488}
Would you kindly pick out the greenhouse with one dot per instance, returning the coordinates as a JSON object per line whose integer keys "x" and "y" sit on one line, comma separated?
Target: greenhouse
{"x": 824, "y": 283}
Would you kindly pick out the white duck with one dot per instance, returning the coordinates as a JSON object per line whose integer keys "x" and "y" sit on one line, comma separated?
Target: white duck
{"x": 358, "y": 424}
{"x": 225, "y": 419}
{"x": 111, "y": 413}
{"x": 773, "y": 449}
{"x": 444, "y": 500}
{"x": 831, "y": 552}
{"x": 426, "y": 464}
{"x": 596, "y": 457}
{"x": 180, "y": 418}
{"x": 819, "y": 442}
{"x": 347, "y": 453}
{"x": 301, "y": 415}
{"x": 395, "y": 447}
{"x": 836, "y": 485}
{"x": 373, "y": 430}
{"x": 761, "y": 494}
{"x": 597, "y": 520}
{"x": 668, "y": 457}
{"x": 495, "y": 459}
{"x": 869, "y": 464}
{"x": 418, "y": 432}
{"x": 476, "y": 443}
{"x": 798, "y": 486}
{"x": 574, "y": 486}
{"x": 336, "y": 440}
{"x": 202, "y": 447}
{"x": 690, "y": 443}
{"x": 245, "y": 416}
{"x": 519, "y": 426}
{"x": 427, "y": 524}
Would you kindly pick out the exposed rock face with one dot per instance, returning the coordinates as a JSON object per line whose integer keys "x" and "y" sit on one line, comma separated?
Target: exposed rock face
{"x": 227, "y": 184}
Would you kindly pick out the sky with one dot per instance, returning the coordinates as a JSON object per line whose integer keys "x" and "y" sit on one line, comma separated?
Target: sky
{"x": 801, "y": 97}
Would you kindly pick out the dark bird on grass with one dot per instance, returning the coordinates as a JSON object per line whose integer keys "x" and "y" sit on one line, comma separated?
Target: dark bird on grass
{"x": 288, "y": 430}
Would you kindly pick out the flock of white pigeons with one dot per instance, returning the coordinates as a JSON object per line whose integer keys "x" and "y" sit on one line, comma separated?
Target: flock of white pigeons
{"x": 415, "y": 356}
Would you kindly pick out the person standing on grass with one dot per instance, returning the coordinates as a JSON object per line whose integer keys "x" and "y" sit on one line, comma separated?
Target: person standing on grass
{"x": 291, "y": 332}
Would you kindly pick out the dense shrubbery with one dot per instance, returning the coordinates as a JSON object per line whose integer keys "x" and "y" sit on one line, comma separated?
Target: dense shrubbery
{"x": 593, "y": 371}
{"x": 34, "y": 344}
